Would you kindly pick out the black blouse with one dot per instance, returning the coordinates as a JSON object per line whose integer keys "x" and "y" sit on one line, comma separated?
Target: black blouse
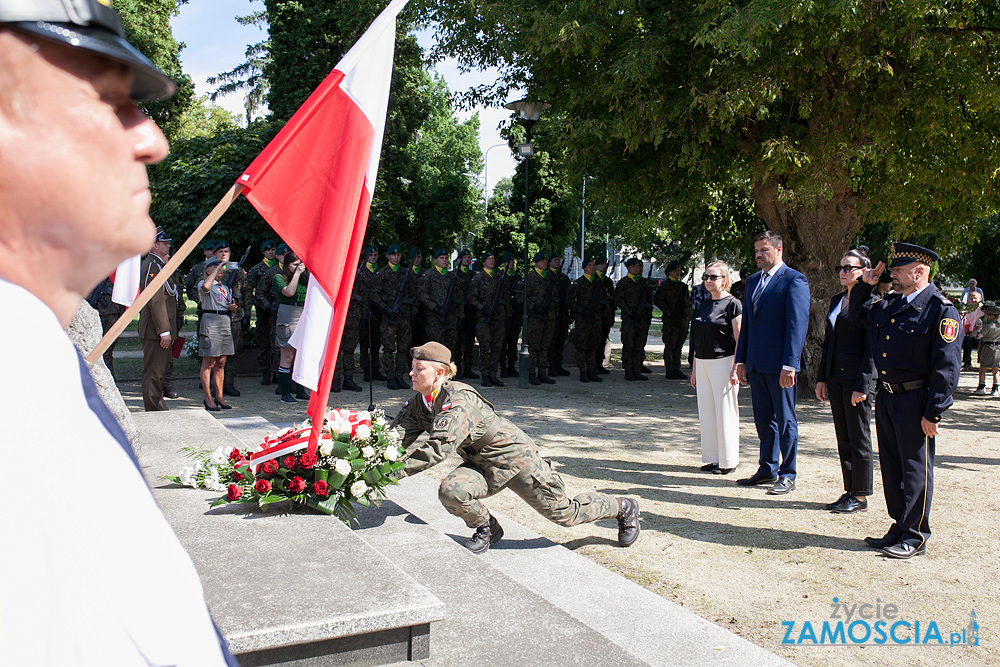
{"x": 712, "y": 327}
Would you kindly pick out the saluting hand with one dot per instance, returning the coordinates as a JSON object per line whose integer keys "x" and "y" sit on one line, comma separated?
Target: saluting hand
{"x": 871, "y": 276}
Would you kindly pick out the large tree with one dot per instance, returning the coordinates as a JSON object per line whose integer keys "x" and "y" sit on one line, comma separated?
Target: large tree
{"x": 828, "y": 114}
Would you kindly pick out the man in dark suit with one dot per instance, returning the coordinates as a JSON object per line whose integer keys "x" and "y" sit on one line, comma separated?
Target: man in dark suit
{"x": 157, "y": 324}
{"x": 768, "y": 355}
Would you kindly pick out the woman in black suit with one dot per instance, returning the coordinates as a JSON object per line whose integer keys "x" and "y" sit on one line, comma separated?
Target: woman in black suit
{"x": 846, "y": 375}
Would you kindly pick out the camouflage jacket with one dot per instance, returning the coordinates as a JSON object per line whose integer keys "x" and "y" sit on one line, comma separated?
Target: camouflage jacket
{"x": 433, "y": 291}
{"x": 561, "y": 292}
{"x": 484, "y": 289}
{"x": 541, "y": 295}
{"x": 241, "y": 291}
{"x": 634, "y": 298}
{"x": 458, "y": 422}
{"x": 194, "y": 276}
{"x": 364, "y": 286}
{"x": 254, "y": 275}
{"x": 464, "y": 286}
{"x": 387, "y": 283}
{"x": 586, "y": 305}
{"x": 671, "y": 297}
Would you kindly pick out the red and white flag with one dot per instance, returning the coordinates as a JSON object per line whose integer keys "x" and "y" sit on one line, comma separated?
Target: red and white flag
{"x": 314, "y": 184}
{"x": 126, "y": 282}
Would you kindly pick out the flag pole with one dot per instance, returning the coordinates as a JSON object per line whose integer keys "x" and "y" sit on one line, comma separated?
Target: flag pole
{"x": 168, "y": 270}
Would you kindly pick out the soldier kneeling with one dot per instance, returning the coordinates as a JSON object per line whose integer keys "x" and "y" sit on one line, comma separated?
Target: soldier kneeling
{"x": 496, "y": 455}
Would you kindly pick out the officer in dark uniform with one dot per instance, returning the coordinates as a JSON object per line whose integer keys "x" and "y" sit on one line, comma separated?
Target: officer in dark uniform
{"x": 916, "y": 341}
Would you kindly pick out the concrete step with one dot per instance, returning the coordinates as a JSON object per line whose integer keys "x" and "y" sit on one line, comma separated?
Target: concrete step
{"x": 528, "y": 600}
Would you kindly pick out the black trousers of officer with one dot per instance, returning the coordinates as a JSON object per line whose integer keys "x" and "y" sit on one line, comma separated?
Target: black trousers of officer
{"x": 852, "y": 424}
{"x": 906, "y": 457}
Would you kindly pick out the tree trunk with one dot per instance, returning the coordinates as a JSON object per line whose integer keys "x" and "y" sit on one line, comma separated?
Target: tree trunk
{"x": 814, "y": 239}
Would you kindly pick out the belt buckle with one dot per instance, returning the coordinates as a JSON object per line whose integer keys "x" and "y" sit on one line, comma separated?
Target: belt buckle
{"x": 888, "y": 387}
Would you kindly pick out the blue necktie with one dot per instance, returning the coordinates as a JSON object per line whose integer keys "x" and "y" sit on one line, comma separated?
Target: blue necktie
{"x": 757, "y": 292}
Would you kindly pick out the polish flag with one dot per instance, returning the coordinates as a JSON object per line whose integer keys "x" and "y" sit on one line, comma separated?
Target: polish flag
{"x": 314, "y": 184}
{"x": 126, "y": 282}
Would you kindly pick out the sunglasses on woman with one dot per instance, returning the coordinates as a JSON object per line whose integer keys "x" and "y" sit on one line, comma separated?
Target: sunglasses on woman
{"x": 846, "y": 268}
{"x": 709, "y": 276}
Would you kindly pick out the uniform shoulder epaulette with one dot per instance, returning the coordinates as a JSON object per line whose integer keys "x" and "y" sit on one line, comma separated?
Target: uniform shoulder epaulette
{"x": 944, "y": 300}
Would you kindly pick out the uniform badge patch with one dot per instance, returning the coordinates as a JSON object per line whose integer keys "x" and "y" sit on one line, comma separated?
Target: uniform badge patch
{"x": 441, "y": 424}
{"x": 445, "y": 406}
{"x": 949, "y": 330}
{"x": 405, "y": 403}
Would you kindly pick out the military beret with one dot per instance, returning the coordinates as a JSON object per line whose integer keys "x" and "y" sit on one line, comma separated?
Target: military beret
{"x": 463, "y": 252}
{"x": 438, "y": 253}
{"x": 414, "y": 251}
{"x": 555, "y": 255}
{"x": 907, "y": 253}
{"x": 539, "y": 256}
{"x": 602, "y": 260}
{"x": 587, "y": 260}
{"x": 486, "y": 253}
{"x": 393, "y": 249}
{"x": 370, "y": 249}
{"x": 631, "y": 261}
{"x": 674, "y": 265}
{"x": 162, "y": 236}
{"x": 281, "y": 249}
{"x": 432, "y": 351}
{"x": 208, "y": 246}
{"x": 221, "y": 245}
{"x": 267, "y": 245}
{"x": 507, "y": 256}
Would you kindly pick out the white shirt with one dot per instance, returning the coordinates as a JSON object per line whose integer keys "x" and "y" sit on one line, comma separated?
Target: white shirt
{"x": 91, "y": 572}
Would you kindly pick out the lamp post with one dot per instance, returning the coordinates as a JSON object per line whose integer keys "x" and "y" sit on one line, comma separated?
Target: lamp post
{"x": 530, "y": 113}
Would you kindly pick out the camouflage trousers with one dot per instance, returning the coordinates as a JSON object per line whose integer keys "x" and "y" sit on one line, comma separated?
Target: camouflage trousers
{"x": 348, "y": 343}
{"x": 265, "y": 341}
{"x": 490, "y": 334}
{"x": 633, "y": 344}
{"x": 537, "y": 484}
{"x": 396, "y": 342}
{"x": 442, "y": 330}
{"x": 236, "y": 327}
{"x": 673, "y": 337}
{"x": 586, "y": 334}
{"x": 539, "y": 338}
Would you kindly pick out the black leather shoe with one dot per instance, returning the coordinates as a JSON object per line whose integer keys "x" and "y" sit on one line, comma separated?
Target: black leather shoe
{"x": 472, "y": 375}
{"x": 709, "y": 467}
{"x": 838, "y": 501}
{"x": 640, "y": 376}
{"x": 851, "y": 505}
{"x": 628, "y": 522}
{"x": 886, "y": 540}
{"x": 584, "y": 377}
{"x": 495, "y": 380}
{"x": 594, "y": 377}
{"x": 351, "y": 385}
{"x": 680, "y": 376}
{"x": 722, "y": 471}
{"x": 759, "y": 478}
{"x": 781, "y": 487}
{"x": 904, "y": 550}
{"x": 403, "y": 382}
{"x": 288, "y": 398}
{"x": 629, "y": 376}
{"x": 168, "y": 392}
{"x": 601, "y": 370}
{"x": 211, "y": 408}
{"x": 229, "y": 390}
{"x": 392, "y": 384}
{"x": 533, "y": 379}
{"x": 562, "y": 371}
{"x": 485, "y": 536}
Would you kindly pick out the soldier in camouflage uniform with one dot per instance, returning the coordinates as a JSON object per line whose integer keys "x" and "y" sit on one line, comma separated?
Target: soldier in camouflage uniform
{"x": 587, "y": 302}
{"x": 560, "y": 327}
{"x": 236, "y": 280}
{"x": 541, "y": 319}
{"x": 371, "y": 318}
{"x": 671, "y": 298}
{"x": 100, "y": 300}
{"x": 468, "y": 316}
{"x": 635, "y": 299}
{"x": 488, "y": 296}
{"x": 266, "y": 294}
{"x": 265, "y": 314}
{"x": 418, "y": 333}
{"x": 607, "y": 314}
{"x": 394, "y": 292}
{"x": 343, "y": 370}
{"x": 512, "y": 327}
{"x": 440, "y": 301}
{"x": 496, "y": 455}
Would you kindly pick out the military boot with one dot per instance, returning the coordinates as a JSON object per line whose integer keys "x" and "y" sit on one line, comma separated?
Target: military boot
{"x": 561, "y": 371}
{"x": 544, "y": 378}
{"x": 495, "y": 380}
{"x": 486, "y": 380}
{"x": 351, "y": 385}
{"x": 392, "y": 384}
{"x": 637, "y": 374}
{"x": 533, "y": 378}
{"x": 336, "y": 384}
{"x": 594, "y": 377}
{"x": 584, "y": 376}
{"x": 628, "y": 521}
{"x": 378, "y": 375}
{"x": 470, "y": 374}
{"x": 403, "y": 382}
{"x": 486, "y": 535}
{"x": 630, "y": 376}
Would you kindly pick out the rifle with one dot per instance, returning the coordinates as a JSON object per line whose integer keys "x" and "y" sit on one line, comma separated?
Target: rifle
{"x": 399, "y": 292}
{"x": 493, "y": 302}
{"x": 543, "y": 306}
{"x": 593, "y": 295}
{"x": 447, "y": 298}
{"x": 641, "y": 306}
{"x": 245, "y": 324}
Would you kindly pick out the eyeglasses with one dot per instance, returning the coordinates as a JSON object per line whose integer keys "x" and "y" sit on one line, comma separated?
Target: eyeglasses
{"x": 847, "y": 267}
{"x": 709, "y": 276}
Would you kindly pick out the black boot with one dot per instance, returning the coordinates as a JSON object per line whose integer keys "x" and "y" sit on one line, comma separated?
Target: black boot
{"x": 645, "y": 369}
{"x": 562, "y": 371}
{"x": 601, "y": 370}
{"x": 265, "y": 378}
{"x": 495, "y": 380}
{"x": 168, "y": 391}
{"x": 503, "y": 372}
{"x": 512, "y": 372}
{"x": 485, "y": 536}
{"x": 486, "y": 381}
{"x": 628, "y": 522}
{"x": 630, "y": 376}
{"x": 403, "y": 382}
{"x": 378, "y": 375}
{"x": 366, "y": 376}
{"x": 584, "y": 376}
{"x": 336, "y": 384}
{"x": 637, "y": 374}
{"x": 392, "y": 384}
{"x": 230, "y": 390}
{"x": 471, "y": 374}
{"x": 594, "y": 377}
{"x": 544, "y": 378}
{"x": 533, "y": 378}
{"x": 285, "y": 387}
{"x": 351, "y": 385}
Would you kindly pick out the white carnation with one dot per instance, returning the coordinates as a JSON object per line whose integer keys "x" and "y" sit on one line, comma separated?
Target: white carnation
{"x": 358, "y": 489}
{"x": 391, "y": 453}
{"x": 325, "y": 447}
{"x": 380, "y": 421}
{"x": 367, "y": 451}
{"x": 187, "y": 478}
{"x": 364, "y": 416}
{"x": 364, "y": 432}
{"x": 342, "y": 467}
{"x": 219, "y": 456}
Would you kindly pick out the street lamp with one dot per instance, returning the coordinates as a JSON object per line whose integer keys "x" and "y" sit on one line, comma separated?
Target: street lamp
{"x": 529, "y": 112}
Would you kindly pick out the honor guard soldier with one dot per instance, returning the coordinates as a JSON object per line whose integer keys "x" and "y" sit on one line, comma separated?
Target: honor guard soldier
{"x": 439, "y": 299}
{"x": 488, "y": 296}
{"x": 916, "y": 341}
{"x": 265, "y": 293}
{"x": 468, "y": 316}
{"x": 541, "y": 311}
{"x": 631, "y": 296}
{"x": 560, "y": 327}
{"x": 607, "y": 314}
{"x": 197, "y": 272}
{"x": 587, "y": 299}
{"x": 371, "y": 318}
{"x": 672, "y": 299}
{"x": 508, "y": 352}
{"x": 157, "y": 324}
{"x": 395, "y": 287}
{"x": 265, "y": 315}
{"x": 343, "y": 370}
{"x": 496, "y": 455}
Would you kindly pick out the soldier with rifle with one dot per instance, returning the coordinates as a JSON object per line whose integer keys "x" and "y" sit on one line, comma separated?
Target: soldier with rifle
{"x": 488, "y": 296}
{"x": 540, "y": 319}
{"x": 631, "y": 297}
{"x": 587, "y": 301}
{"x": 343, "y": 370}
{"x": 437, "y": 294}
{"x": 395, "y": 289}
{"x": 512, "y": 327}
{"x": 468, "y": 316}
{"x": 371, "y": 318}
{"x": 560, "y": 327}
{"x": 607, "y": 313}
{"x": 672, "y": 299}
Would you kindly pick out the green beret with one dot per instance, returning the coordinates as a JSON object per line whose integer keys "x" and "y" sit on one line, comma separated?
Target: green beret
{"x": 393, "y": 249}
{"x": 463, "y": 252}
{"x": 281, "y": 249}
{"x": 507, "y": 256}
{"x": 221, "y": 245}
{"x": 631, "y": 261}
{"x": 539, "y": 256}
{"x": 438, "y": 253}
{"x": 267, "y": 245}
{"x": 414, "y": 251}
{"x": 370, "y": 249}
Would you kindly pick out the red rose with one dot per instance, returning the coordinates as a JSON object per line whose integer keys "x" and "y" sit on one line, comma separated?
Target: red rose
{"x": 238, "y": 476}
{"x": 270, "y": 467}
{"x": 262, "y": 486}
{"x": 321, "y": 488}
{"x": 296, "y": 485}
{"x": 235, "y": 455}
{"x": 235, "y": 491}
{"x": 307, "y": 461}
{"x": 289, "y": 462}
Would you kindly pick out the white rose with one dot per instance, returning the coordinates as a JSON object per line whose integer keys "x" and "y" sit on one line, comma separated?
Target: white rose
{"x": 358, "y": 489}
{"x": 342, "y": 467}
{"x": 391, "y": 453}
{"x": 364, "y": 415}
{"x": 325, "y": 447}
{"x": 367, "y": 451}
{"x": 363, "y": 433}
{"x": 380, "y": 421}
{"x": 187, "y": 478}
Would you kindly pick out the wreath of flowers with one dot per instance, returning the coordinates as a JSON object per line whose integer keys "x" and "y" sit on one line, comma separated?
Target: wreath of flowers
{"x": 355, "y": 460}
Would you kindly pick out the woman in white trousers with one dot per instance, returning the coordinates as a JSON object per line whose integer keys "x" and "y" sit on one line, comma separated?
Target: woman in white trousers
{"x": 715, "y": 328}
